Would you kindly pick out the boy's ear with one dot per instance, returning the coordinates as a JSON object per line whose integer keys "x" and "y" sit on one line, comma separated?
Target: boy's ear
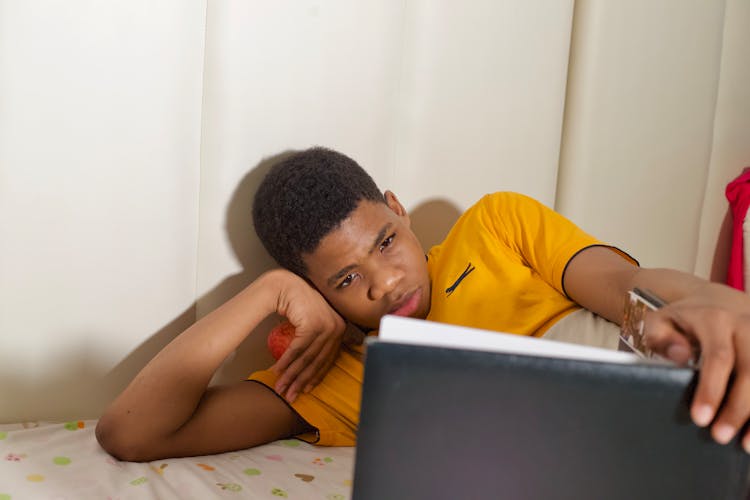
{"x": 392, "y": 201}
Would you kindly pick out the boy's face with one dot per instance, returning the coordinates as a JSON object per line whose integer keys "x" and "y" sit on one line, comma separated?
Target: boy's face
{"x": 372, "y": 265}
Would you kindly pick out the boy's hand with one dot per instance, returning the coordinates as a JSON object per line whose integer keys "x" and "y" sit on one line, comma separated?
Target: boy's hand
{"x": 317, "y": 338}
{"x": 718, "y": 319}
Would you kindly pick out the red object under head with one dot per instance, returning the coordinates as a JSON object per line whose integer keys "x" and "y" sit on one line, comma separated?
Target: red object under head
{"x": 279, "y": 339}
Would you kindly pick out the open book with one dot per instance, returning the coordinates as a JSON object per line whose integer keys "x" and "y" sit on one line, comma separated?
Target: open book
{"x": 400, "y": 330}
{"x": 455, "y": 412}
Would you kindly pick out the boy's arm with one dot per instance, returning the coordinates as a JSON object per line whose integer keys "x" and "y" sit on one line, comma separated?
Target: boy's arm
{"x": 714, "y": 315}
{"x": 167, "y": 410}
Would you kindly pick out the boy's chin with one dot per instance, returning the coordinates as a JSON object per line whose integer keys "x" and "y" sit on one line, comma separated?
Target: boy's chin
{"x": 365, "y": 328}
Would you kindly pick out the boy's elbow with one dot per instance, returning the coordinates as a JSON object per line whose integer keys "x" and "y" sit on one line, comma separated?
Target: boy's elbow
{"x": 116, "y": 440}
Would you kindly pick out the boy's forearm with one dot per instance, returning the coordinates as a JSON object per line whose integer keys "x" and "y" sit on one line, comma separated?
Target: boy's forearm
{"x": 598, "y": 279}
{"x": 668, "y": 284}
{"x": 168, "y": 389}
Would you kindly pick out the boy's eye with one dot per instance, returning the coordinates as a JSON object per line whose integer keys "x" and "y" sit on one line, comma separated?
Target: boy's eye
{"x": 387, "y": 242}
{"x": 346, "y": 281}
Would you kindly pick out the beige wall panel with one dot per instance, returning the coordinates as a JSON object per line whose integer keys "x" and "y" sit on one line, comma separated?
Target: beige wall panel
{"x": 99, "y": 143}
{"x": 638, "y": 124}
{"x": 482, "y": 96}
{"x": 731, "y": 141}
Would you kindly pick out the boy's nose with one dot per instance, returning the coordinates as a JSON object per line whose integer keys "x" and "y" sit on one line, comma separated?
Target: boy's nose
{"x": 384, "y": 282}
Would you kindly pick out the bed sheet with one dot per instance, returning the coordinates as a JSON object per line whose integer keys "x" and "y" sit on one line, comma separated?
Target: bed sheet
{"x": 64, "y": 461}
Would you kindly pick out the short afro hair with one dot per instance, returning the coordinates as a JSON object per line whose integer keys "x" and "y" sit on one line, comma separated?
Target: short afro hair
{"x": 303, "y": 198}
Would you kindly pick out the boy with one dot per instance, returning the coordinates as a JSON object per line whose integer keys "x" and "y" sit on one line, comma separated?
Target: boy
{"x": 508, "y": 264}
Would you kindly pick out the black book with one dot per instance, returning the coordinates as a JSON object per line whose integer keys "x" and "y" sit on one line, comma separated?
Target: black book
{"x": 457, "y": 413}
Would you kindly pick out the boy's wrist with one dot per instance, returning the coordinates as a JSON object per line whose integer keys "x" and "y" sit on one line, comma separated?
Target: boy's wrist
{"x": 270, "y": 285}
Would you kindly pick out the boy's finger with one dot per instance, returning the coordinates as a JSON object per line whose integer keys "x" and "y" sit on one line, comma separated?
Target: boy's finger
{"x": 300, "y": 358}
{"x": 282, "y": 364}
{"x": 718, "y": 360}
{"x": 306, "y": 375}
{"x": 290, "y": 383}
{"x": 285, "y": 360}
{"x": 667, "y": 334}
{"x": 322, "y": 372}
{"x": 303, "y": 380}
{"x": 299, "y": 344}
{"x": 663, "y": 337}
{"x": 735, "y": 412}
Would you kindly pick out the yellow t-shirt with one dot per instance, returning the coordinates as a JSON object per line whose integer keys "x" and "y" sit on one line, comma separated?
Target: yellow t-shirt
{"x": 332, "y": 407}
{"x": 500, "y": 268}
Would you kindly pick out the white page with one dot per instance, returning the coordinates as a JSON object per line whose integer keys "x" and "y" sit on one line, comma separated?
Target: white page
{"x": 396, "y": 329}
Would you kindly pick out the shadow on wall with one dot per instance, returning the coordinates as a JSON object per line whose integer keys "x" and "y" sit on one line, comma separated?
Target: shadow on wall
{"x": 80, "y": 382}
{"x": 252, "y": 354}
{"x": 432, "y": 219}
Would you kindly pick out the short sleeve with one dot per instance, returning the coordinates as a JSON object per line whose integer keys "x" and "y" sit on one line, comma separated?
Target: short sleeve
{"x": 545, "y": 240}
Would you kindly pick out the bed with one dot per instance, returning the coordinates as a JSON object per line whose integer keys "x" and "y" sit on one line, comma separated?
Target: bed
{"x": 64, "y": 461}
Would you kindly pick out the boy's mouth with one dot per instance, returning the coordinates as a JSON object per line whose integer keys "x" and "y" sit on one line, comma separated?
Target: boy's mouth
{"x": 408, "y": 305}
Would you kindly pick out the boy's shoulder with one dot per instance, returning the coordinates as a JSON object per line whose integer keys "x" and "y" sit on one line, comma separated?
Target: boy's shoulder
{"x": 503, "y": 203}
{"x": 508, "y": 197}
{"x": 486, "y": 213}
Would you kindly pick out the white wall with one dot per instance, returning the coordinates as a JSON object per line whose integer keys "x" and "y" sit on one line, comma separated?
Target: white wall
{"x": 730, "y": 150}
{"x": 99, "y": 160}
{"x": 639, "y": 124}
{"x": 482, "y": 91}
{"x": 133, "y": 135}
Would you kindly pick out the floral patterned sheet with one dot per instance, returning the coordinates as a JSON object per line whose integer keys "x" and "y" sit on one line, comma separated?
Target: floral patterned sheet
{"x": 64, "y": 461}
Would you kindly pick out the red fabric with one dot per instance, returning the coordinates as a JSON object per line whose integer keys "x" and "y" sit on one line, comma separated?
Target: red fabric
{"x": 738, "y": 194}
